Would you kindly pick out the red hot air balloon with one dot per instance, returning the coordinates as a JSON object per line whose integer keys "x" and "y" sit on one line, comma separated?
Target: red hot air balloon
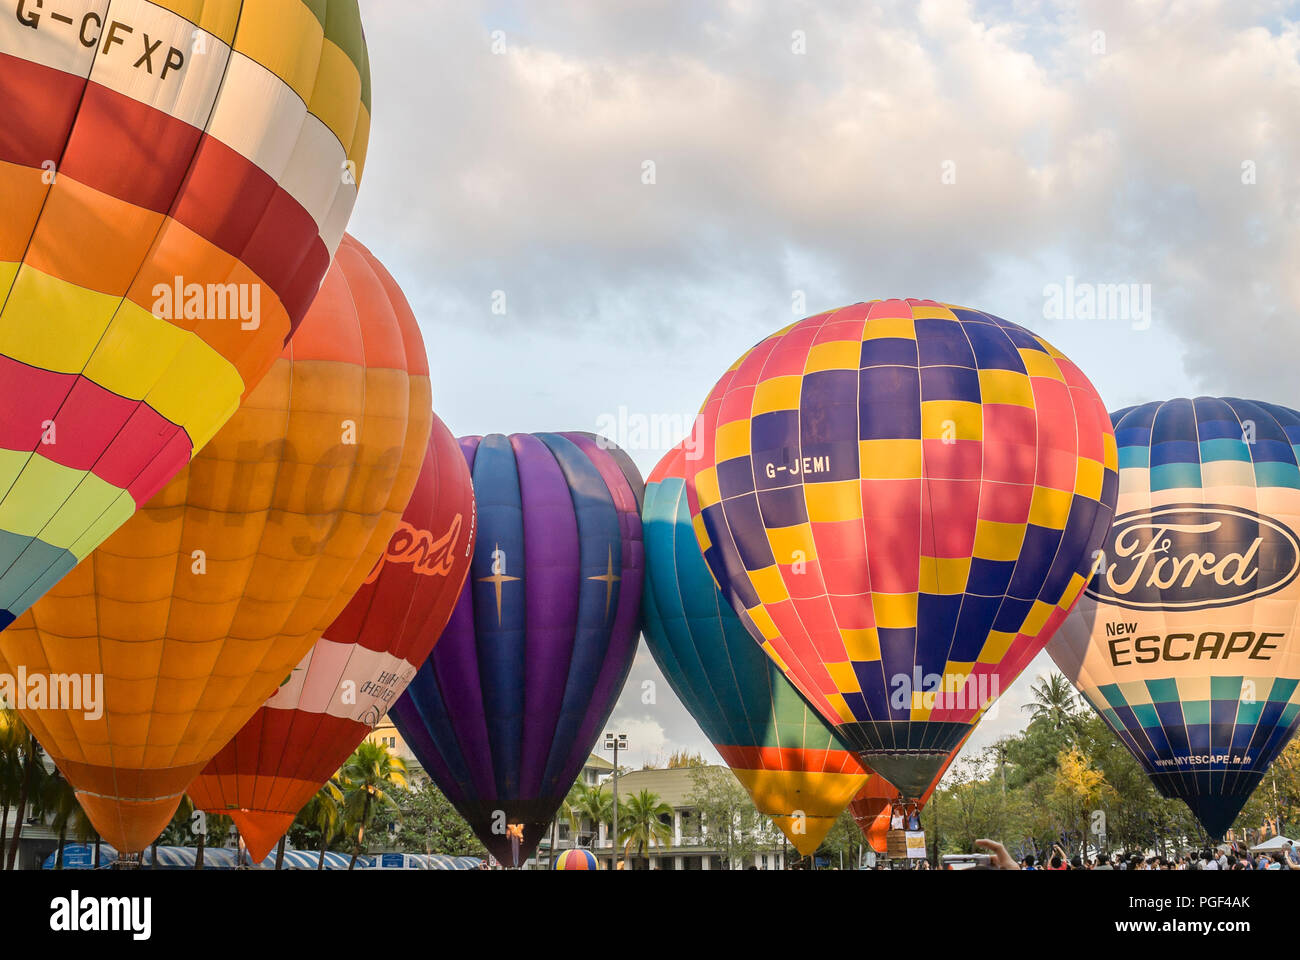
{"x": 358, "y": 668}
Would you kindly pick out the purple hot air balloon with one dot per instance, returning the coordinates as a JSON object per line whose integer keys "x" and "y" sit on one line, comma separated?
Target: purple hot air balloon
{"x": 510, "y": 703}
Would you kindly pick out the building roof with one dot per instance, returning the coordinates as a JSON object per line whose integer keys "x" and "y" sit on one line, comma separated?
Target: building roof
{"x": 673, "y": 786}
{"x": 599, "y": 763}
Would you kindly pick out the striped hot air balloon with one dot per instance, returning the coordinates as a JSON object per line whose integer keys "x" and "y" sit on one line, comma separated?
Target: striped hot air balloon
{"x": 577, "y": 860}
{"x": 901, "y": 500}
{"x": 174, "y": 179}
{"x": 796, "y": 770}
{"x": 1185, "y": 639}
{"x": 508, "y": 707}
{"x": 199, "y": 607}
{"x": 358, "y": 668}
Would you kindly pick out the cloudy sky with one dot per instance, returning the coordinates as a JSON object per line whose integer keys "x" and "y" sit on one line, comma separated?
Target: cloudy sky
{"x": 596, "y": 207}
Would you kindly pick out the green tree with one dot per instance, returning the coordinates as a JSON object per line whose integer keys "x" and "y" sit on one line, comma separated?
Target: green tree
{"x": 640, "y": 823}
{"x": 29, "y": 774}
{"x": 13, "y": 741}
{"x": 318, "y": 823}
{"x": 1277, "y": 798}
{"x": 59, "y": 800}
{"x": 844, "y": 841}
{"x": 430, "y": 824}
{"x": 1054, "y": 702}
{"x": 368, "y": 779}
{"x": 733, "y": 824}
{"x": 585, "y": 802}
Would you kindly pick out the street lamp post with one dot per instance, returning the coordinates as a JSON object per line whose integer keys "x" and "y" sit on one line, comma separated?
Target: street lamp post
{"x": 615, "y": 742}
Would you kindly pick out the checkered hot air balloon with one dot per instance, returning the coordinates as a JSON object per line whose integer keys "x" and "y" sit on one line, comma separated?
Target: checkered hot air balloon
{"x": 794, "y": 767}
{"x": 1185, "y": 638}
{"x": 174, "y": 180}
{"x": 901, "y": 500}
{"x": 507, "y": 708}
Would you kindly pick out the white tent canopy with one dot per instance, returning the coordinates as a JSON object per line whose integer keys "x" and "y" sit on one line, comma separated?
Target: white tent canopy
{"x": 1276, "y": 844}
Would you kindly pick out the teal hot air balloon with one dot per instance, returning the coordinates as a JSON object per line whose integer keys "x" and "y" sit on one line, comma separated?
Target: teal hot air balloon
{"x": 796, "y": 770}
{"x": 1185, "y": 639}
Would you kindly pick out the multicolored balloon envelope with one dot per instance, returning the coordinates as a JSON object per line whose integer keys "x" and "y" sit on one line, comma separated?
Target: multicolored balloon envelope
{"x": 508, "y": 707}
{"x": 873, "y": 804}
{"x": 577, "y": 860}
{"x": 1185, "y": 639}
{"x": 794, "y": 767}
{"x": 200, "y": 605}
{"x": 172, "y": 188}
{"x": 901, "y": 500}
{"x": 359, "y": 666}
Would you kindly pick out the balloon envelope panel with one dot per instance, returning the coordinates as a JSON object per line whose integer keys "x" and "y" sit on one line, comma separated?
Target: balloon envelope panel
{"x": 173, "y": 191}
{"x": 200, "y": 605}
{"x": 779, "y": 748}
{"x": 901, "y": 500}
{"x": 1185, "y": 639}
{"x": 358, "y": 668}
{"x": 507, "y": 709}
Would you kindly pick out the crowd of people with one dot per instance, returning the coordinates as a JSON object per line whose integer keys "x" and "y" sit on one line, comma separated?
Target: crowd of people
{"x": 1224, "y": 857}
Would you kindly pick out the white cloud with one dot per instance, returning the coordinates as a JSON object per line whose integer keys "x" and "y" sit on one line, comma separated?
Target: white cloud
{"x": 1099, "y": 140}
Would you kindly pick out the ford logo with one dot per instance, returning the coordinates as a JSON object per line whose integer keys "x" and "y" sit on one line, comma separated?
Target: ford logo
{"x": 1192, "y": 556}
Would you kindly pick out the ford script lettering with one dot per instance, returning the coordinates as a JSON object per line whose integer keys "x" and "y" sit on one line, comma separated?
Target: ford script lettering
{"x": 1193, "y": 557}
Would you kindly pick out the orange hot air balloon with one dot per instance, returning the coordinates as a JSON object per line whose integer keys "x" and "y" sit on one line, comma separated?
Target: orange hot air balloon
{"x": 871, "y": 807}
{"x": 358, "y": 668}
{"x": 174, "y": 179}
{"x": 200, "y": 605}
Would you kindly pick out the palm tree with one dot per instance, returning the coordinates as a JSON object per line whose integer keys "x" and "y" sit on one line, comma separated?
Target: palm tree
{"x": 181, "y": 829}
{"x": 587, "y": 802}
{"x": 366, "y": 775}
{"x": 641, "y": 813}
{"x": 29, "y": 789}
{"x": 323, "y": 812}
{"x": 1053, "y": 702}
{"x": 13, "y": 735}
{"x": 59, "y": 798}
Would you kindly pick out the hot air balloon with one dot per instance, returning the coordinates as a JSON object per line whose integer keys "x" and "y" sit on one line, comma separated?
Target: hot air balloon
{"x": 1185, "y": 639}
{"x": 873, "y": 805}
{"x": 200, "y": 605}
{"x": 901, "y": 500}
{"x": 175, "y": 179}
{"x": 508, "y": 707}
{"x": 577, "y": 860}
{"x": 796, "y": 770}
{"x": 358, "y": 668}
